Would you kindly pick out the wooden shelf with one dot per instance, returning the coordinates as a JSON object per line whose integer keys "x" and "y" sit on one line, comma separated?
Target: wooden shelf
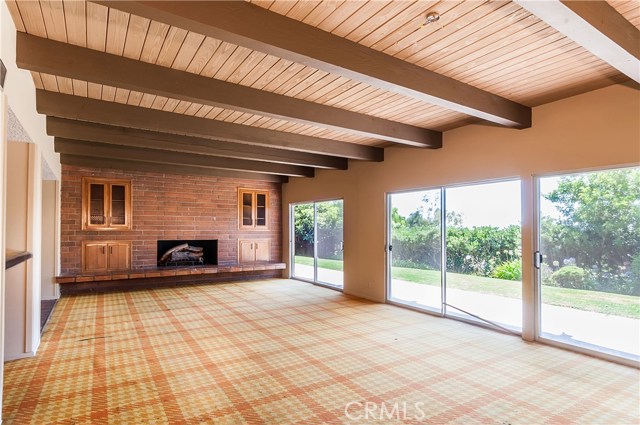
{"x": 13, "y": 257}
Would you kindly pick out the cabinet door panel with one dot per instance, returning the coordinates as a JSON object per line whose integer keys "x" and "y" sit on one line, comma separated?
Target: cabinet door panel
{"x": 95, "y": 257}
{"x": 261, "y": 250}
{"x": 245, "y": 252}
{"x": 118, "y": 205}
{"x": 118, "y": 256}
{"x": 261, "y": 209}
{"x": 246, "y": 209}
{"x": 97, "y": 204}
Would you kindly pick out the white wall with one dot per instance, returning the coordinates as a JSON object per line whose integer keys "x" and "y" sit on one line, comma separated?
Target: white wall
{"x": 596, "y": 129}
{"x": 16, "y": 238}
{"x": 3, "y": 147}
{"x": 49, "y": 289}
{"x": 21, "y": 93}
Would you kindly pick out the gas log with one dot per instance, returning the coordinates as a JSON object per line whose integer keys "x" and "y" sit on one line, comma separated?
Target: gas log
{"x": 183, "y": 253}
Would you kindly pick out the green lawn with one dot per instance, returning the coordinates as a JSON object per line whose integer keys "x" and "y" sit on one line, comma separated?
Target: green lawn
{"x": 601, "y": 302}
{"x": 323, "y": 264}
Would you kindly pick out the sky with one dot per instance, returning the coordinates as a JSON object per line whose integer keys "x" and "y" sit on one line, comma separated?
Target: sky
{"x": 488, "y": 204}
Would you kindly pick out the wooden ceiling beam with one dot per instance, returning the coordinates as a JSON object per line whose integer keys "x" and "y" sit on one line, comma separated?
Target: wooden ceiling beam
{"x": 596, "y": 26}
{"x": 111, "y": 113}
{"x": 131, "y": 137}
{"x": 128, "y": 165}
{"x": 102, "y": 150}
{"x": 251, "y": 26}
{"x": 66, "y": 60}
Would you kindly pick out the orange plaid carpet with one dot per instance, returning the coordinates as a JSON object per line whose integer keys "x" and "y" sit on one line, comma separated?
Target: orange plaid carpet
{"x": 281, "y": 352}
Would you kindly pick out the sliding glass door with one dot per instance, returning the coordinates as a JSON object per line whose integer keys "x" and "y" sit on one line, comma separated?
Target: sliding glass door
{"x": 484, "y": 253}
{"x": 303, "y": 246}
{"x": 317, "y": 246}
{"x": 415, "y": 256}
{"x": 589, "y": 260}
{"x": 475, "y": 231}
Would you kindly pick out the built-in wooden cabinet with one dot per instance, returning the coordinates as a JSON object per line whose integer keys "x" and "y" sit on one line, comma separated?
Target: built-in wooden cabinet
{"x": 106, "y": 204}
{"x": 253, "y": 209}
{"x": 250, "y": 251}
{"x": 100, "y": 256}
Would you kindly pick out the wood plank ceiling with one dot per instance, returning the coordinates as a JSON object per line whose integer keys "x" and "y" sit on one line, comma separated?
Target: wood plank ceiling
{"x": 264, "y": 91}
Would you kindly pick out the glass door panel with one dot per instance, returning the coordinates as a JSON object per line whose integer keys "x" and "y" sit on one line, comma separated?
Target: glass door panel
{"x": 303, "y": 241}
{"x": 261, "y": 209}
{"x": 247, "y": 208}
{"x": 118, "y": 214}
{"x": 329, "y": 226}
{"x": 416, "y": 249}
{"x": 589, "y": 279}
{"x": 484, "y": 264}
{"x": 97, "y": 201}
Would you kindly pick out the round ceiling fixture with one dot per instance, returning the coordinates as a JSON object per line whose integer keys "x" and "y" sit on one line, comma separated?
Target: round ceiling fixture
{"x": 431, "y": 18}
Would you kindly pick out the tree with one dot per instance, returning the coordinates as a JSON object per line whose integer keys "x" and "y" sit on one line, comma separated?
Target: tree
{"x": 330, "y": 229}
{"x": 303, "y": 229}
{"x": 598, "y": 228}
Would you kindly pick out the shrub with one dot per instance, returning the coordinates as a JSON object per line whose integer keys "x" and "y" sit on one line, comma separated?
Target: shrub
{"x": 511, "y": 270}
{"x": 572, "y": 277}
{"x": 545, "y": 274}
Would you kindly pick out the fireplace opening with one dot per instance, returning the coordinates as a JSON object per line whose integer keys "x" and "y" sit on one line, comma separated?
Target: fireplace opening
{"x": 177, "y": 253}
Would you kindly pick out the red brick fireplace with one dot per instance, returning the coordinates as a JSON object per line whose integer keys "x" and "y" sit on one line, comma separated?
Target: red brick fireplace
{"x": 167, "y": 207}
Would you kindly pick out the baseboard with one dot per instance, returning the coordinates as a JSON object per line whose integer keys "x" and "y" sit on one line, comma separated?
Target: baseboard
{"x": 20, "y": 356}
{"x": 363, "y": 296}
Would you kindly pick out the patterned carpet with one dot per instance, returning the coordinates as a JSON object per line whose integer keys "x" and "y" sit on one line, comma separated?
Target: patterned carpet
{"x": 281, "y": 352}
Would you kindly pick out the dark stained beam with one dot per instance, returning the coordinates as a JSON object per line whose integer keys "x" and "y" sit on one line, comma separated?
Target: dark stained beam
{"x": 111, "y": 113}
{"x": 66, "y": 60}
{"x": 596, "y": 26}
{"x": 101, "y": 150}
{"x": 128, "y": 165}
{"x": 131, "y": 137}
{"x": 251, "y": 26}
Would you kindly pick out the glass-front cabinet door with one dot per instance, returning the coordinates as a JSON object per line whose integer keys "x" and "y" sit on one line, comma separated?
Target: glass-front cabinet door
{"x": 261, "y": 209}
{"x": 253, "y": 209}
{"x": 246, "y": 209}
{"x": 97, "y": 204}
{"x": 118, "y": 204}
{"x": 106, "y": 204}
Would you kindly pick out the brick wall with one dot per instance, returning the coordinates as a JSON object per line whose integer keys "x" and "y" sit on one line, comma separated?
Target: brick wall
{"x": 167, "y": 206}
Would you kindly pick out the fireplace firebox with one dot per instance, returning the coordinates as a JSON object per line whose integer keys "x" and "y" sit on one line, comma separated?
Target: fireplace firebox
{"x": 176, "y": 253}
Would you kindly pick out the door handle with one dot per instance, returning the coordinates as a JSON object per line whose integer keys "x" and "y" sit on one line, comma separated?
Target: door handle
{"x": 537, "y": 259}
